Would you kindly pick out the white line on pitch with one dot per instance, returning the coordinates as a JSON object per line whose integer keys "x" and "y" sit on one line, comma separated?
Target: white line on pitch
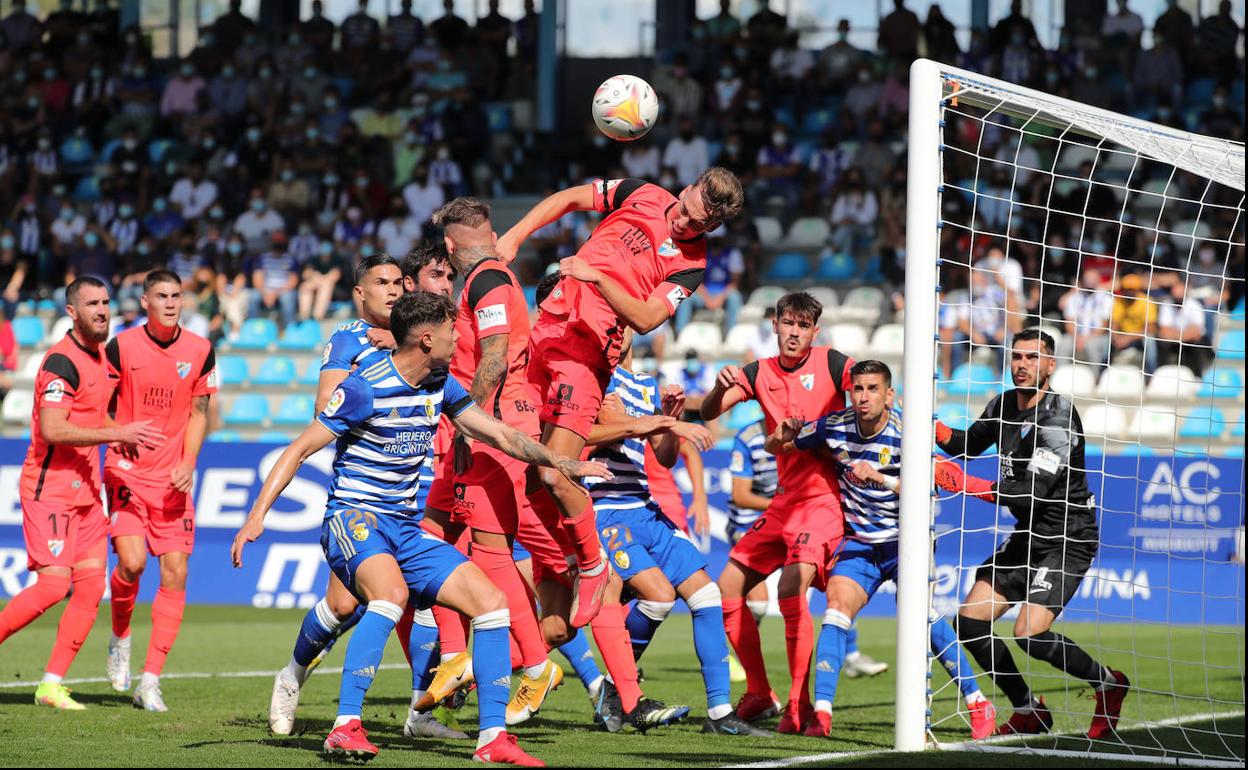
{"x": 195, "y": 675}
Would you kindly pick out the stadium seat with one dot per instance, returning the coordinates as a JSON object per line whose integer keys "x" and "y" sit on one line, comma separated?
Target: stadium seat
{"x": 1231, "y": 345}
{"x": 816, "y": 122}
{"x": 701, "y": 336}
{"x": 29, "y": 330}
{"x": 1122, "y": 385}
{"x": 60, "y": 327}
{"x": 956, "y": 416}
{"x": 225, "y": 436}
{"x": 257, "y": 334}
{"x": 18, "y": 405}
{"x": 789, "y": 266}
{"x": 1074, "y": 380}
{"x": 276, "y": 370}
{"x": 973, "y": 380}
{"x": 1203, "y": 423}
{"x": 1222, "y": 382}
{"x": 274, "y": 437}
{"x": 1173, "y": 383}
{"x": 808, "y": 233}
{"x": 1240, "y": 310}
{"x": 836, "y": 267}
{"x": 743, "y": 414}
{"x": 850, "y": 338}
{"x": 232, "y": 370}
{"x": 311, "y": 373}
{"x": 888, "y": 341}
{"x": 1151, "y": 424}
{"x": 498, "y": 116}
{"x": 295, "y": 409}
{"x": 1104, "y": 420}
{"x": 303, "y": 335}
{"x": 87, "y": 190}
{"x": 30, "y": 367}
{"x": 247, "y": 409}
{"x": 769, "y": 230}
{"x": 865, "y": 305}
{"x": 827, "y": 297}
{"x": 739, "y": 339}
{"x": 156, "y": 150}
{"x": 765, "y": 296}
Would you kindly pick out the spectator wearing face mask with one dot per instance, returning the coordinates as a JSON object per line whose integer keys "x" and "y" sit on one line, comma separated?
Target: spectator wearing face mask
{"x": 1221, "y": 120}
{"x": 129, "y": 163}
{"x": 399, "y": 232}
{"x": 13, "y": 271}
{"x": 779, "y": 169}
{"x": 863, "y": 97}
{"x": 686, "y": 154}
{"x": 162, "y": 222}
{"x": 94, "y": 257}
{"x": 854, "y": 213}
{"x": 1088, "y": 310}
{"x": 275, "y": 281}
{"x": 681, "y": 93}
{"x": 734, "y": 158}
{"x": 289, "y": 195}
{"x": 320, "y": 275}
{"x": 186, "y": 260}
{"x": 1180, "y": 334}
{"x": 231, "y": 284}
{"x": 331, "y": 198}
{"x": 422, "y": 195}
{"x": 728, "y": 91}
{"x": 258, "y": 223}
{"x": 351, "y": 229}
{"x": 445, "y": 172}
{"x": 1158, "y": 75}
{"x": 720, "y": 289}
{"x": 179, "y": 96}
{"x": 193, "y": 194}
{"x": 303, "y": 246}
{"x": 124, "y": 229}
{"x": 67, "y": 230}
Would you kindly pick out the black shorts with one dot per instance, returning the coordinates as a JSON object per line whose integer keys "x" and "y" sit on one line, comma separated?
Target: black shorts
{"x": 1037, "y": 572}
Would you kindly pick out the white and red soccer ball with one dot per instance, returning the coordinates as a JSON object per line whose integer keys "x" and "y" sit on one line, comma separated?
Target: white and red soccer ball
{"x": 625, "y": 107}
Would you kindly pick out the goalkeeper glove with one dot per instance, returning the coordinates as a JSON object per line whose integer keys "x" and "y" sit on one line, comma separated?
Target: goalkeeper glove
{"x": 943, "y": 432}
{"x": 951, "y": 478}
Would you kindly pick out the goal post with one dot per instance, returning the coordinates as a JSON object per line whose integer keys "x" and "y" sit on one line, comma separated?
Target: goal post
{"x": 1081, "y": 221}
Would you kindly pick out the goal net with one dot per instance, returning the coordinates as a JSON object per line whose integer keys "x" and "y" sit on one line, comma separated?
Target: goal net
{"x": 1124, "y": 241}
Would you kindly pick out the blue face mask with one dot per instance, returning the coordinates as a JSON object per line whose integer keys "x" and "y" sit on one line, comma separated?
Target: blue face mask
{"x": 367, "y": 251}
{"x": 326, "y": 249}
{"x": 7, "y": 242}
{"x": 125, "y": 211}
{"x": 235, "y": 248}
{"x": 144, "y": 249}
{"x": 160, "y": 204}
{"x": 67, "y": 214}
{"x": 257, "y": 205}
{"x": 90, "y": 240}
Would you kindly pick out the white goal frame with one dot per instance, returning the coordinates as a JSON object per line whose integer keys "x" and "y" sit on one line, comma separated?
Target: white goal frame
{"x": 930, "y": 85}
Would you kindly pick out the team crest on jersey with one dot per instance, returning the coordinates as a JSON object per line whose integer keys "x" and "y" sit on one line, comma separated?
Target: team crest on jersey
{"x": 668, "y": 248}
{"x": 808, "y": 381}
{"x": 335, "y": 402}
{"x": 360, "y": 533}
{"x": 621, "y": 559}
{"x": 886, "y": 455}
{"x": 184, "y": 368}
{"x": 56, "y": 546}
{"x": 430, "y": 409}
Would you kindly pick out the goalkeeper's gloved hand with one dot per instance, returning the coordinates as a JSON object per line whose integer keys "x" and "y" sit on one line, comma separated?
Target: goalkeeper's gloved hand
{"x": 943, "y": 432}
{"x": 951, "y": 478}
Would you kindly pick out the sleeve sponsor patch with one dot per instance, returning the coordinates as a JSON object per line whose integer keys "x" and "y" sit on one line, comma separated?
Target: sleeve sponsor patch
{"x": 212, "y": 379}
{"x": 491, "y": 316}
{"x": 329, "y": 349}
{"x": 335, "y": 402}
{"x": 738, "y": 463}
{"x": 677, "y": 295}
{"x": 1044, "y": 460}
{"x": 807, "y": 429}
{"x": 54, "y": 393}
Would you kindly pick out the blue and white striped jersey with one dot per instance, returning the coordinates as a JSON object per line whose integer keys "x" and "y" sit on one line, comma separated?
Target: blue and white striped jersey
{"x": 385, "y": 429}
{"x": 870, "y": 510}
{"x": 347, "y": 346}
{"x": 626, "y": 458}
{"x": 751, "y": 461}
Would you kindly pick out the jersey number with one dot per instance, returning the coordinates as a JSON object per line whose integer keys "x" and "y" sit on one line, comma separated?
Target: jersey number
{"x": 52, "y": 519}
{"x": 120, "y": 498}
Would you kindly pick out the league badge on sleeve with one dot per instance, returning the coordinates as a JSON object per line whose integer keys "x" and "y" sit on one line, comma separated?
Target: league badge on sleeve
{"x": 335, "y": 402}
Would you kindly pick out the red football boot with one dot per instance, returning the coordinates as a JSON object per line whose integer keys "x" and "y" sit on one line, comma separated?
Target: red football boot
{"x": 350, "y": 740}
{"x": 753, "y": 707}
{"x": 504, "y": 750}
{"x": 1038, "y": 720}
{"x": 1109, "y": 706}
{"x": 587, "y": 595}
{"x": 983, "y": 719}
{"x": 796, "y": 717}
{"x": 820, "y": 726}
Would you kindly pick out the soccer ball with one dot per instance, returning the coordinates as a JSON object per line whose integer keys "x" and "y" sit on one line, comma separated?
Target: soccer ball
{"x": 625, "y": 107}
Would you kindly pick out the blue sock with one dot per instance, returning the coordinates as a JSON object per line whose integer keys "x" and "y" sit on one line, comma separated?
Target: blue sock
{"x": 643, "y": 620}
{"x": 423, "y": 646}
{"x": 582, "y": 659}
{"x": 829, "y": 656}
{"x": 491, "y": 665}
{"x": 319, "y": 628}
{"x": 851, "y": 641}
{"x": 951, "y": 655}
{"x": 710, "y": 643}
{"x": 364, "y": 653}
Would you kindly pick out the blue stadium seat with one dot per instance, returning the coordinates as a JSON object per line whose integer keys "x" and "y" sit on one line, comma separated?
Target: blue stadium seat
{"x": 276, "y": 370}
{"x": 247, "y": 409}
{"x": 257, "y": 334}
{"x": 836, "y": 267}
{"x": 1231, "y": 346}
{"x": 743, "y": 414}
{"x": 87, "y": 190}
{"x": 972, "y": 380}
{"x": 157, "y": 149}
{"x": 1198, "y": 93}
{"x": 295, "y": 409}
{"x": 1222, "y": 382}
{"x": 1205, "y": 422}
{"x": 48, "y": 306}
{"x": 817, "y": 122}
{"x": 106, "y": 153}
{"x": 29, "y": 330}
{"x": 225, "y": 436}
{"x": 303, "y": 335}
{"x": 530, "y": 295}
{"x": 784, "y": 115}
{"x": 1240, "y": 311}
{"x": 274, "y": 437}
{"x": 345, "y": 86}
{"x": 233, "y": 370}
{"x": 1236, "y": 451}
{"x": 312, "y": 373}
{"x": 788, "y": 267}
{"x": 955, "y": 415}
{"x": 498, "y": 116}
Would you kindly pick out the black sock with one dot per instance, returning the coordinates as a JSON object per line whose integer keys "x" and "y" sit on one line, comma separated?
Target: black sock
{"x": 993, "y": 657}
{"x": 1062, "y": 653}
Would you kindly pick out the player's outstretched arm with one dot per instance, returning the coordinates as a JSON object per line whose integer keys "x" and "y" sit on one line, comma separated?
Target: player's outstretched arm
{"x": 643, "y": 315}
{"x": 781, "y": 439}
{"x": 55, "y": 428}
{"x": 724, "y": 396}
{"x": 976, "y": 439}
{"x": 314, "y": 438}
{"x": 478, "y": 425}
{"x": 579, "y": 198}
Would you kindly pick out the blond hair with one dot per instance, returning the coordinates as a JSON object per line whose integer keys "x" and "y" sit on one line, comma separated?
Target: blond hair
{"x": 721, "y": 194}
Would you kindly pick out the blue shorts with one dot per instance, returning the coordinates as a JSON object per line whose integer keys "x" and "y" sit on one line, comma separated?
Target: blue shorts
{"x": 349, "y": 536}
{"x": 870, "y": 566}
{"x": 519, "y": 553}
{"x": 637, "y": 539}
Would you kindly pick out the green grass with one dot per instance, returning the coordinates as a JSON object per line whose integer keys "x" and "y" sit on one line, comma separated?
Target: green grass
{"x": 222, "y": 721}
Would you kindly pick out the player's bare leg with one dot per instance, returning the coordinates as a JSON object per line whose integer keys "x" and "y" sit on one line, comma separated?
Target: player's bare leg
{"x": 735, "y": 583}
{"x": 131, "y": 562}
{"x": 579, "y": 522}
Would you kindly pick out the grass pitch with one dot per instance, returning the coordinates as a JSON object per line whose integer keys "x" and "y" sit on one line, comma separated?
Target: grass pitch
{"x": 225, "y": 656}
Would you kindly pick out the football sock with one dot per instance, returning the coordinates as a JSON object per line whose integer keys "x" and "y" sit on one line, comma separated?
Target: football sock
{"x": 709, "y": 642}
{"x": 833, "y": 641}
{"x": 319, "y": 626}
{"x": 32, "y": 602}
{"x": 994, "y": 657}
{"x": 77, "y": 618}
{"x": 951, "y": 655}
{"x": 577, "y": 651}
{"x": 121, "y": 603}
{"x": 403, "y": 630}
{"x": 500, "y": 568}
{"x": 166, "y": 621}
{"x": 422, "y": 644}
{"x": 758, "y": 609}
{"x": 742, "y": 634}
{"x": 799, "y": 643}
{"x": 612, "y": 638}
{"x": 490, "y": 665}
{"x": 851, "y": 640}
{"x": 1063, "y": 654}
{"x": 643, "y": 620}
{"x": 452, "y": 631}
{"x": 582, "y": 530}
{"x": 364, "y": 653}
